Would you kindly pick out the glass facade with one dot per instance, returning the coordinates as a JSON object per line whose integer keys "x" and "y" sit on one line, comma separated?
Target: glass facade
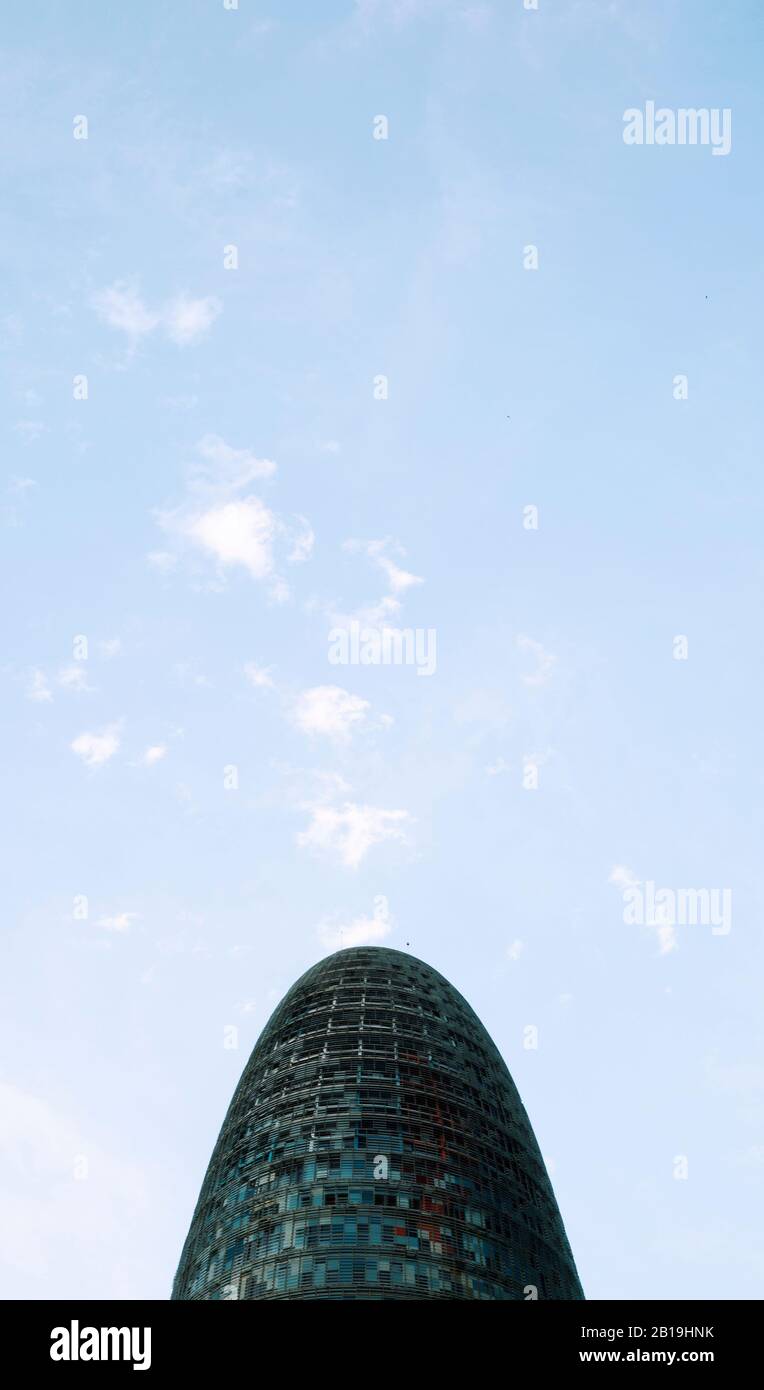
{"x": 376, "y": 1148}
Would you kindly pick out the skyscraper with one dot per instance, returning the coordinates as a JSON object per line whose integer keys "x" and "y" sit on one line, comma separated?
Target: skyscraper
{"x": 376, "y": 1148}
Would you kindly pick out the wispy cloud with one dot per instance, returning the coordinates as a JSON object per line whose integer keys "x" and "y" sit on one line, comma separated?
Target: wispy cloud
{"x": 330, "y": 711}
{"x": 259, "y": 676}
{"x": 347, "y": 833}
{"x": 545, "y": 661}
{"x": 626, "y": 881}
{"x": 667, "y": 938}
{"x": 30, "y": 430}
{"x": 234, "y": 531}
{"x": 623, "y": 877}
{"x": 399, "y": 580}
{"x": 74, "y": 678}
{"x": 95, "y": 749}
{"x": 162, "y": 560}
{"x": 121, "y": 307}
{"x": 381, "y": 614}
{"x": 187, "y": 320}
{"x": 38, "y": 688}
{"x": 303, "y": 540}
{"x": 361, "y": 931}
{"x": 226, "y": 467}
{"x": 154, "y": 754}
{"x": 184, "y": 320}
{"x": 119, "y": 923}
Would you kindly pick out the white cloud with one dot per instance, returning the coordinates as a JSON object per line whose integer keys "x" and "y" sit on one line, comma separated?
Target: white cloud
{"x": 544, "y": 661}
{"x": 329, "y": 710}
{"x": 187, "y": 320}
{"x": 515, "y": 950}
{"x": 361, "y": 931}
{"x": 184, "y": 320}
{"x": 538, "y": 759}
{"x": 154, "y": 754}
{"x": 303, "y": 540}
{"x": 187, "y": 675}
{"x": 623, "y": 877}
{"x": 119, "y": 923}
{"x": 667, "y": 938}
{"x": 110, "y": 647}
{"x": 234, "y": 530}
{"x": 38, "y": 689}
{"x": 237, "y": 533}
{"x": 70, "y": 677}
{"x": 398, "y": 579}
{"x": 30, "y": 430}
{"x": 379, "y": 616}
{"x": 73, "y": 678}
{"x": 228, "y": 467}
{"x": 162, "y": 560}
{"x": 259, "y": 676}
{"x": 350, "y": 832}
{"x": 122, "y": 307}
{"x": 374, "y": 616}
{"x": 18, "y": 486}
{"x": 96, "y": 749}
{"x": 279, "y": 590}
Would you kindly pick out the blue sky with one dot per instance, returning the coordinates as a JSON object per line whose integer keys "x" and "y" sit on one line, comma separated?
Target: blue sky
{"x": 199, "y": 804}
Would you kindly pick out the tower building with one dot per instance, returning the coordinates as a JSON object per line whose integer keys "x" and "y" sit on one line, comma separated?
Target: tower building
{"x": 376, "y": 1148}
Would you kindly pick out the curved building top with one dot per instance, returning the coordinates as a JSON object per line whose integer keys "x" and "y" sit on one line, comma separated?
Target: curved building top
{"x": 375, "y": 1148}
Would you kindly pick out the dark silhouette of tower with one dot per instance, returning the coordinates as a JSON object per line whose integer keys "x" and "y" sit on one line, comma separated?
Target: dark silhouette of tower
{"x": 376, "y": 1148}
